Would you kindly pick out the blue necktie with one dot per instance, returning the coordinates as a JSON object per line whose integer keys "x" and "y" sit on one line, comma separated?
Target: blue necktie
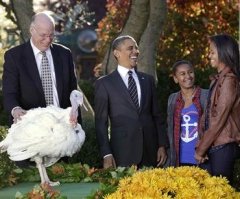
{"x": 132, "y": 89}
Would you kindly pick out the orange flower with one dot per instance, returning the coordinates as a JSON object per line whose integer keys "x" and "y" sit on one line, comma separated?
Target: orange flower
{"x": 58, "y": 169}
{"x": 91, "y": 171}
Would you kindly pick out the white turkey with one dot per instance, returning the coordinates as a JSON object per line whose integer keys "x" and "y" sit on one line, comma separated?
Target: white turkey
{"x": 44, "y": 135}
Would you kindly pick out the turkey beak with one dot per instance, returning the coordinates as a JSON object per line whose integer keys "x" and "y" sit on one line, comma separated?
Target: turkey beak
{"x": 79, "y": 102}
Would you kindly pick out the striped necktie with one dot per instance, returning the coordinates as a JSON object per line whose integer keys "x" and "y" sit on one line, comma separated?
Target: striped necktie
{"x": 46, "y": 79}
{"x": 132, "y": 89}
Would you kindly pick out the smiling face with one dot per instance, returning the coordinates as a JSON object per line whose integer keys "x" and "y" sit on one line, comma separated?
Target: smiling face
{"x": 213, "y": 55}
{"x": 42, "y": 32}
{"x": 127, "y": 53}
{"x": 184, "y": 76}
{"x": 214, "y": 59}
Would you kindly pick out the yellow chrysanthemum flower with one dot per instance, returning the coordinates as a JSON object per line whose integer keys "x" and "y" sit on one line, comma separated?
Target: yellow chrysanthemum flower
{"x": 177, "y": 183}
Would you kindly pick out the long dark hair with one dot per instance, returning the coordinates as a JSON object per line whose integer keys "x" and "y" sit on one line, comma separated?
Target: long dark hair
{"x": 228, "y": 51}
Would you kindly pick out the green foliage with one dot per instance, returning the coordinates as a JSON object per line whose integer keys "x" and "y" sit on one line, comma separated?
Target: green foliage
{"x": 7, "y": 176}
{"x": 62, "y": 172}
{"x": 41, "y": 191}
{"x": 3, "y": 114}
{"x": 236, "y": 175}
{"x": 88, "y": 90}
{"x": 1, "y": 63}
{"x": 109, "y": 179}
{"x": 103, "y": 190}
{"x": 67, "y": 173}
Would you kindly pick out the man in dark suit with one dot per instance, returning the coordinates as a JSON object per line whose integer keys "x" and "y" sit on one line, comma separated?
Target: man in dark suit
{"x": 135, "y": 136}
{"x": 22, "y": 84}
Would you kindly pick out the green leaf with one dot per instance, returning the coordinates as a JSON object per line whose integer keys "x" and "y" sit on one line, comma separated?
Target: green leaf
{"x": 18, "y": 195}
{"x": 18, "y": 170}
{"x": 87, "y": 179}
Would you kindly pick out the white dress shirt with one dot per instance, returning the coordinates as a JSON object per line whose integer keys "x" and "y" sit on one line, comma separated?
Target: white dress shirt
{"x": 124, "y": 75}
{"x": 38, "y": 58}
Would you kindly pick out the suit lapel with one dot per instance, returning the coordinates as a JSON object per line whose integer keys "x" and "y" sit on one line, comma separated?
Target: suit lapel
{"x": 31, "y": 67}
{"x": 58, "y": 67}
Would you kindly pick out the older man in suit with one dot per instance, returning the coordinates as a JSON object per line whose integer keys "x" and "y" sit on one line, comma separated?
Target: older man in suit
{"x": 23, "y": 76}
{"x": 136, "y": 137}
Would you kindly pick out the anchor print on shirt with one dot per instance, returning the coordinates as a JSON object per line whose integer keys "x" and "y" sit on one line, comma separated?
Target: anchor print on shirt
{"x": 189, "y": 136}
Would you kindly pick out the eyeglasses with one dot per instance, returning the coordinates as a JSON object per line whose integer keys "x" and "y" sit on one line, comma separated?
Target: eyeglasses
{"x": 44, "y": 36}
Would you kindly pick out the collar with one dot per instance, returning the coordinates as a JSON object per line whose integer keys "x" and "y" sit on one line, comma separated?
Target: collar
{"x": 36, "y": 51}
{"x": 220, "y": 74}
{"x": 196, "y": 94}
{"x": 124, "y": 71}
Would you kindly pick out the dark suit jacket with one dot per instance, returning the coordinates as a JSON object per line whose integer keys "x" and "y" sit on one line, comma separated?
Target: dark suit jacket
{"x": 21, "y": 80}
{"x": 130, "y": 131}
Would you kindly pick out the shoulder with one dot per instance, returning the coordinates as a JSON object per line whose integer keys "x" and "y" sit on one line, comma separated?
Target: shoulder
{"x": 230, "y": 85}
{"x": 172, "y": 100}
{"x": 145, "y": 75}
{"x": 18, "y": 49}
{"x": 60, "y": 48}
{"x": 172, "y": 97}
{"x": 146, "y": 78}
{"x": 173, "y": 94}
{"x": 228, "y": 81}
{"x": 227, "y": 75}
{"x": 106, "y": 78}
{"x": 231, "y": 76}
{"x": 101, "y": 79}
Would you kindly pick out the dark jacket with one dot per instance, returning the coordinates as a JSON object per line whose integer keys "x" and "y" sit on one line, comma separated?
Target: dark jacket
{"x": 130, "y": 131}
{"x": 21, "y": 80}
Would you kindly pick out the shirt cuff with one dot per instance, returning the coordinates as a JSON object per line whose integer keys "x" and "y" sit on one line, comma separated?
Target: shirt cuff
{"x": 14, "y": 109}
{"x": 107, "y": 155}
